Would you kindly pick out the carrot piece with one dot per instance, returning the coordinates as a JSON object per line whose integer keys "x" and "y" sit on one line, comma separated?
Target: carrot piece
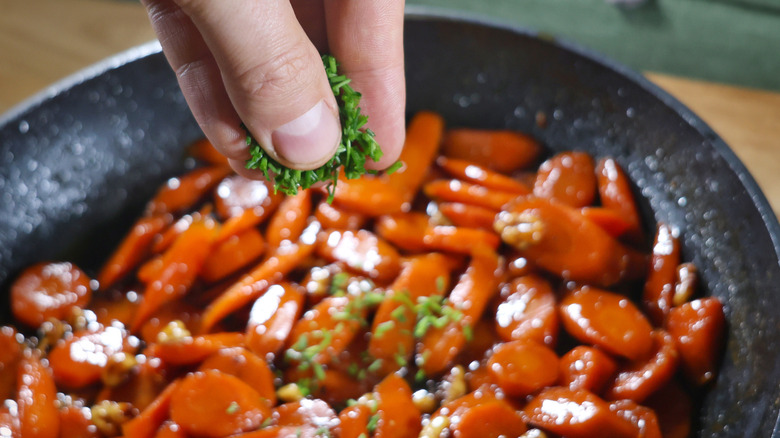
{"x": 558, "y": 239}
{"x": 455, "y": 190}
{"x": 181, "y": 264}
{"x": 236, "y": 194}
{"x": 204, "y": 151}
{"x": 233, "y": 254}
{"x": 361, "y": 251}
{"x": 608, "y": 320}
{"x": 643, "y": 419}
{"x": 75, "y": 422}
{"x": 423, "y": 137}
{"x": 305, "y": 419}
{"x": 10, "y": 355}
{"x": 500, "y": 150}
{"x": 528, "y": 311}
{"x": 698, "y": 329}
{"x": 637, "y": 380}
{"x": 459, "y": 240}
{"x": 523, "y": 367}
{"x": 80, "y": 359}
{"x": 615, "y": 193}
{"x": 608, "y": 219}
{"x": 49, "y": 290}
{"x": 474, "y": 173}
{"x": 152, "y": 417}
{"x": 179, "y": 310}
{"x": 491, "y": 419}
{"x": 568, "y": 178}
{"x": 239, "y": 362}
{"x": 181, "y": 193}
{"x": 36, "y": 399}
{"x": 272, "y": 318}
{"x": 468, "y": 216}
{"x": 132, "y": 249}
{"x": 672, "y": 406}
{"x": 194, "y": 349}
{"x": 248, "y": 219}
{"x": 404, "y": 230}
{"x": 586, "y": 367}
{"x": 9, "y": 422}
{"x": 283, "y": 260}
{"x": 353, "y": 421}
{"x": 169, "y": 429}
{"x": 289, "y": 220}
{"x": 398, "y": 415}
{"x": 475, "y": 288}
{"x": 576, "y": 413}
{"x": 169, "y": 235}
{"x": 337, "y": 218}
{"x": 392, "y": 339}
{"x": 214, "y": 404}
{"x": 659, "y": 285}
{"x": 368, "y": 195}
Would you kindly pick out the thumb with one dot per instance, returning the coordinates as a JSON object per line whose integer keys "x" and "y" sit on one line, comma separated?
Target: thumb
{"x": 274, "y": 78}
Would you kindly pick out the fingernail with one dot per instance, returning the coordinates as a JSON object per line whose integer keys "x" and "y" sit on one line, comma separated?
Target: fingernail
{"x": 309, "y": 138}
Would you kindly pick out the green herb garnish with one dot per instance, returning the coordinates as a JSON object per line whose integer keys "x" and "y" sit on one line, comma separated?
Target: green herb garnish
{"x": 357, "y": 144}
{"x": 233, "y": 408}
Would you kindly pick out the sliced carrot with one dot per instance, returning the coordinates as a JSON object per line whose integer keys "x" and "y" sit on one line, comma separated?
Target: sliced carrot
{"x": 398, "y": 415}
{"x": 169, "y": 429}
{"x": 698, "y": 328}
{"x": 180, "y": 310}
{"x": 214, "y": 404}
{"x": 404, "y": 230}
{"x": 361, "y": 251}
{"x": 10, "y": 355}
{"x": 272, "y": 318}
{"x": 637, "y": 380}
{"x": 305, "y": 419}
{"x": 523, "y": 367}
{"x": 528, "y": 311}
{"x": 79, "y": 360}
{"x": 141, "y": 385}
{"x": 236, "y": 194}
{"x": 204, "y": 151}
{"x": 491, "y": 419}
{"x": 568, "y": 178}
{"x": 586, "y": 367}
{"x": 643, "y": 419}
{"x": 423, "y": 137}
{"x": 455, "y": 190}
{"x": 459, "y": 240}
{"x": 501, "y": 150}
{"x": 474, "y": 173}
{"x": 608, "y": 320}
{"x": 283, "y": 260}
{"x": 36, "y": 395}
{"x": 468, "y": 216}
{"x": 169, "y": 235}
{"x": 368, "y": 195}
{"x": 353, "y": 421}
{"x": 152, "y": 417}
{"x": 247, "y": 366}
{"x": 181, "y": 265}
{"x": 181, "y": 193}
{"x": 195, "y": 349}
{"x": 558, "y": 239}
{"x": 49, "y": 290}
{"x": 131, "y": 250}
{"x": 289, "y": 220}
{"x": 609, "y": 220}
{"x": 337, "y": 218}
{"x": 615, "y": 193}
{"x": 76, "y": 422}
{"x": 659, "y": 285}
{"x": 247, "y": 219}
{"x": 233, "y": 254}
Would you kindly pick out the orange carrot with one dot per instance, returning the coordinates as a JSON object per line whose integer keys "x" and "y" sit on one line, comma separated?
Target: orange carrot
{"x": 586, "y": 367}
{"x": 615, "y": 193}
{"x": 468, "y": 216}
{"x": 698, "y": 329}
{"x": 183, "y": 192}
{"x": 132, "y": 249}
{"x": 247, "y": 219}
{"x": 608, "y": 219}
{"x": 398, "y": 416}
{"x": 489, "y": 419}
{"x": 204, "y": 151}
{"x": 368, "y": 195}
{"x": 474, "y": 173}
{"x": 362, "y": 252}
{"x": 194, "y": 349}
{"x": 337, "y": 218}
{"x": 502, "y": 151}
{"x": 233, "y": 254}
{"x": 639, "y": 379}
{"x": 659, "y": 285}
{"x": 568, "y": 178}
{"x": 523, "y": 367}
{"x": 10, "y": 355}
{"x": 528, "y": 311}
{"x": 149, "y": 420}
{"x": 246, "y": 366}
{"x": 289, "y": 220}
{"x": 423, "y": 137}
{"x": 467, "y": 193}
{"x": 236, "y": 194}
{"x": 36, "y": 399}
{"x": 404, "y": 230}
{"x": 49, "y": 290}
{"x": 353, "y": 421}
{"x": 72, "y": 368}
{"x": 75, "y": 422}
{"x": 272, "y": 318}
{"x": 459, "y": 240}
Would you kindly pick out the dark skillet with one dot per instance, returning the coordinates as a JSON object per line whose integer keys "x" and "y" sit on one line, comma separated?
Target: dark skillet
{"x": 79, "y": 160}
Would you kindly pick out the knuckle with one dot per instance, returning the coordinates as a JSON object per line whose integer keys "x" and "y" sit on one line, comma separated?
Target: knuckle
{"x": 281, "y": 76}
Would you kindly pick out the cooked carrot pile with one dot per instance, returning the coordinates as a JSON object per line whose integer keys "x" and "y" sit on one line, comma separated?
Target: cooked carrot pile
{"x": 479, "y": 291}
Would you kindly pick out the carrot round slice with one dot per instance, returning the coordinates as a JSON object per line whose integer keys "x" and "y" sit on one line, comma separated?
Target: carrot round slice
{"x": 169, "y": 429}
{"x": 79, "y": 361}
{"x": 615, "y": 194}
{"x": 568, "y": 178}
{"x": 698, "y": 329}
{"x": 362, "y": 252}
{"x": 152, "y": 416}
{"x": 528, "y": 311}
{"x": 233, "y": 254}
{"x": 643, "y": 419}
{"x": 272, "y": 318}
{"x": 353, "y": 421}
{"x": 75, "y": 422}
{"x": 49, "y": 290}
{"x": 37, "y": 399}
{"x": 636, "y": 381}
{"x": 246, "y": 366}
{"x": 586, "y": 367}
{"x": 523, "y": 367}
{"x": 492, "y": 419}
{"x": 192, "y": 350}
{"x": 500, "y": 150}
{"x": 398, "y": 416}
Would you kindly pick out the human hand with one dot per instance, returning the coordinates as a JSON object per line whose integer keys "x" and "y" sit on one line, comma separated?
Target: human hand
{"x": 258, "y": 62}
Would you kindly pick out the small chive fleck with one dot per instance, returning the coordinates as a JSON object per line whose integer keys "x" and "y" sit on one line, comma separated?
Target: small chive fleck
{"x": 233, "y": 408}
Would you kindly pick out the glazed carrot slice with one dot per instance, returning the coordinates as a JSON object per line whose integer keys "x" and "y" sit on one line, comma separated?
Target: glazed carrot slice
{"x": 361, "y": 251}
{"x": 474, "y": 173}
{"x": 247, "y": 219}
{"x": 353, "y": 421}
{"x": 214, "y": 404}
{"x": 398, "y": 416}
{"x": 204, "y": 151}
{"x": 491, "y": 419}
{"x": 181, "y": 264}
{"x": 609, "y": 220}
{"x": 169, "y": 429}
{"x": 10, "y": 355}
{"x": 576, "y": 413}
{"x": 672, "y": 406}
{"x": 643, "y": 419}
{"x": 194, "y": 349}
{"x": 475, "y": 288}
{"x": 459, "y": 240}
{"x": 568, "y": 178}
{"x": 454, "y": 190}
{"x": 132, "y": 250}
{"x": 698, "y": 329}
{"x": 272, "y": 318}
{"x": 36, "y": 395}
{"x": 306, "y": 418}
{"x": 152, "y": 417}
{"x": 615, "y": 193}
{"x": 233, "y": 254}
{"x": 637, "y": 380}
{"x": 392, "y": 339}
{"x": 247, "y": 366}
{"x": 523, "y": 367}
{"x": 423, "y": 137}
{"x": 558, "y": 239}
{"x": 76, "y": 422}
{"x": 289, "y": 220}
{"x": 283, "y": 260}
{"x": 368, "y": 195}
{"x": 181, "y": 193}
{"x": 49, "y": 290}
{"x": 337, "y": 218}
{"x": 501, "y": 150}
{"x": 236, "y": 194}
{"x": 608, "y": 320}
{"x": 468, "y": 216}
{"x": 528, "y": 311}
{"x": 73, "y": 368}
{"x": 586, "y": 367}
{"x": 404, "y": 230}
{"x": 659, "y": 286}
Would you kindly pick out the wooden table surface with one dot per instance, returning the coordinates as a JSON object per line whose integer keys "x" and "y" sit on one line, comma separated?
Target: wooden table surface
{"x": 42, "y": 41}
